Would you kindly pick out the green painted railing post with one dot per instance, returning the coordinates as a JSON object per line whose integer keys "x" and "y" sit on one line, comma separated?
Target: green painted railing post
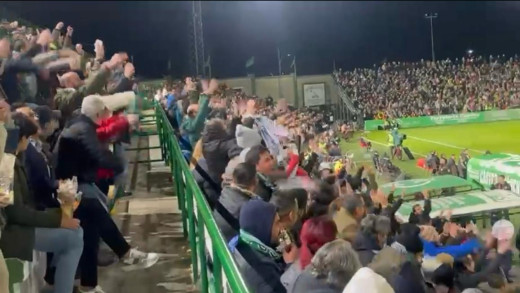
{"x": 217, "y": 271}
{"x": 191, "y": 232}
{"x": 201, "y": 245}
{"x": 168, "y": 155}
{"x": 181, "y": 197}
{"x": 161, "y": 131}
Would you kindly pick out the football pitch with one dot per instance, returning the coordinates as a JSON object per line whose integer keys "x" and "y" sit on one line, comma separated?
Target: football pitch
{"x": 497, "y": 137}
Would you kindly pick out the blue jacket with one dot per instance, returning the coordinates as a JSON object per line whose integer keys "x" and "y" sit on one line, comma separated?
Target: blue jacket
{"x": 173, "y": 111}
{"x": 456, "y": 251}
{"x": 170, "y": 101}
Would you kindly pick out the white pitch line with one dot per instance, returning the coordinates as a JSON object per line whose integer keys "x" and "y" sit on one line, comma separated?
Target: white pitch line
{"x": 443, "y": 144}
{"x": 384, "y": 144}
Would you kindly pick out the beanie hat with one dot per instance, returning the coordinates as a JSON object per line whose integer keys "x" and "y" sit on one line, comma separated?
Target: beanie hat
{"x": 118, "y": 101}
{"x": 257, "y": 218}
{"x": 247, "y": 137}
{"x": 92, "y": 105}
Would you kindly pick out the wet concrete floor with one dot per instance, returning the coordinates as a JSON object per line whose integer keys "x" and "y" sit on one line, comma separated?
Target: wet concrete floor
{"x": 151, "y": 222}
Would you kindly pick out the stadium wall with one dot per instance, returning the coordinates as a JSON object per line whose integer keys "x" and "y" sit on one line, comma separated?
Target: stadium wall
{"x": 268, "y": 86}
{"x": 426, "y": 121}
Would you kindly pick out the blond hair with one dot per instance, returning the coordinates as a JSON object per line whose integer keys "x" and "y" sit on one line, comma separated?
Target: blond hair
{"x": 429, "y": 233}
{"x": 197, "y": 154}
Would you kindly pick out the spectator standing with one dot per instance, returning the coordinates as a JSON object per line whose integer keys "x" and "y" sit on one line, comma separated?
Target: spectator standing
{"x": 421, "y": 215}
{"x": 372, "y": 237}
{"x": 260, "y": 157}
{"x": 80, "y": 137}
{"x": 234, "y": 197}
{"x": 218, "y": 147}
{"x": 193, "y": 123}
{"x": 348, "y": 217}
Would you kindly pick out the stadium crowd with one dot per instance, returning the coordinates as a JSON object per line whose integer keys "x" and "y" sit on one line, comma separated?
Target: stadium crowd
{"x": 298, "y": 215}
{"x": 403, "y": 89}
{"x": 64, "y": 126}
{"x": 317, "y": 222}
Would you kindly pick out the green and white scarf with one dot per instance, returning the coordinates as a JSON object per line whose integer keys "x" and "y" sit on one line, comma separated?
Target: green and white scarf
{"x": 257, "y": 245}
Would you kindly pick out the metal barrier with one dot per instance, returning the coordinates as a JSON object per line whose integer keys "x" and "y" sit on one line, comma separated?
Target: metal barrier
{"x": 210, "y": 255}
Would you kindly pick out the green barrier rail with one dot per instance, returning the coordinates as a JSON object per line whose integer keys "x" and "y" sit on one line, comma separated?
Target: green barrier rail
{"x": 485, "y": 170}
{"x": 426, "y": 121}
{"x": 206, "y": 241}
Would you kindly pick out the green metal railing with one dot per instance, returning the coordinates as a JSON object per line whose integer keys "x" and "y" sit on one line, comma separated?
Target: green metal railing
{"x": 210, "y": 255}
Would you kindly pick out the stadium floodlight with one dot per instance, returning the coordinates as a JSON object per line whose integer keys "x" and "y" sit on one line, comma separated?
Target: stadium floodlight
{"x": 470, "y": 51}
{"x": 431, "y": 16}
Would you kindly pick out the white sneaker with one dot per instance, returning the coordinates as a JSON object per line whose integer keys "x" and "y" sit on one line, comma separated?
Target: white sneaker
{"x": 95, "y": 290}
{"x": 142, "y": 259}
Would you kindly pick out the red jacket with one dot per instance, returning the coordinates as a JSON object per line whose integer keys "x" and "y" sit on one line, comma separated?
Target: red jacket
{"x": 109, "y": 128}
{"x": 294, "y": 159}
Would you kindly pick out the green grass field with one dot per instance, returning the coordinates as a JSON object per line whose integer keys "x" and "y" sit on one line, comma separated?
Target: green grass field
{"x": 497, "y": 137}
{"x": 477, "y": 138}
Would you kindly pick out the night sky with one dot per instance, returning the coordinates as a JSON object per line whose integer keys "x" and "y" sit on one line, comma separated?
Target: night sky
{"x": 354, "y": 34}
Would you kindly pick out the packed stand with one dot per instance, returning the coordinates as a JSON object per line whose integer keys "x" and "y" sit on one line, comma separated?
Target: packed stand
{"x": 299, "y": 216}
{"x": 65, "y": 122}
{"x": 403, "y": 89}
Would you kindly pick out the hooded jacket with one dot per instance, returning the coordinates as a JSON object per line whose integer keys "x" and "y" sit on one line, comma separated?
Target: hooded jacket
{"x": 261, "y": 273}
{"x": 232, "y": 199}
{"x": 247, "y": 137}
{"x": 218, "y": 147}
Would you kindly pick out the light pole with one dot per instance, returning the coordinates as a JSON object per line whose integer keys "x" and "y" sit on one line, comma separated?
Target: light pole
{"x": 279, "y": 74}
{"x": 431, "y": 16}
{"x": 295, "y": 80}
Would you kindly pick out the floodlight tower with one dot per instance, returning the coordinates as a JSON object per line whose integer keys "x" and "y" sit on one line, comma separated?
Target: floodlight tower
{"x": 197, "y": 52}
{"x": 431, "y": 16}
